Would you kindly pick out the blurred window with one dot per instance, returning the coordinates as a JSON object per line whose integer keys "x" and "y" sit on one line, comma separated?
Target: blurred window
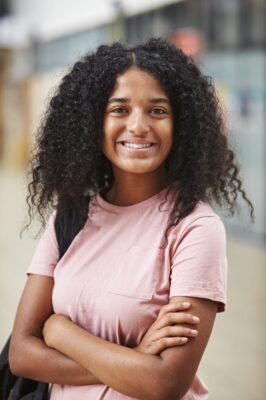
{"x": 226, "y": 24}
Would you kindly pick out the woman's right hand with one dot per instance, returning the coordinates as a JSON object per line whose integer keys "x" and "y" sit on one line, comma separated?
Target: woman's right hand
{"x": 169, "y": 329}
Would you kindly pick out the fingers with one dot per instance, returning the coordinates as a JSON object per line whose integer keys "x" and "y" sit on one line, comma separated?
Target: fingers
{"x": 176, "y": 331}
{"x": 173, "y": 307}
{"x": 176, "y": 318}
{"x": 171, "y": 328}
{"x": 165, "y": 343}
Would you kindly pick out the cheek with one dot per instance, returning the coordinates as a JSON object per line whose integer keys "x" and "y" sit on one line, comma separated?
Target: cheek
{"x": 111, "y": 130}
{"x": 165, "y": 132}
{"x": 167, "y": 140}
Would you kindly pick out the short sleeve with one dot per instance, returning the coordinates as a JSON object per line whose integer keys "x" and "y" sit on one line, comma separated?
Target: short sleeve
{"x": 199, "y": 263}
{"x": 46, "y": 254}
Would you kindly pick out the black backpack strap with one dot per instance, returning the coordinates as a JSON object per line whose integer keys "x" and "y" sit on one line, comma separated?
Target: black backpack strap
{"x": 69, "y": 221}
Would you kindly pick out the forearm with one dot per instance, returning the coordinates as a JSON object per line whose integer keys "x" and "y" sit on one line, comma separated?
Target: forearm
{"x": 33, "y": 359}
{"x": 126, "y": 370}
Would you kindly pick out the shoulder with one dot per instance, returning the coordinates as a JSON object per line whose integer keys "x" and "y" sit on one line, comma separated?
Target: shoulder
{"x": 202, "y": 210}
{"x": 202, "y": 224}
{"x": 202, "y": 215}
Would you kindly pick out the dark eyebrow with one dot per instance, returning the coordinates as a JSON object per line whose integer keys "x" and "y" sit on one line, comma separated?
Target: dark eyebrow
{"x": 118, "y": 100}
{"x": 126, "y": 100}
{"x": 160, "y": 100}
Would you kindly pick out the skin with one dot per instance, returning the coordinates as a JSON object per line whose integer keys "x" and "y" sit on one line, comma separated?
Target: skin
{"x": 138, "y": 112}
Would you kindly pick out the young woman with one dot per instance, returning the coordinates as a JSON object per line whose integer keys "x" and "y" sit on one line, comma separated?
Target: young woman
{"x": 131, "y": 154}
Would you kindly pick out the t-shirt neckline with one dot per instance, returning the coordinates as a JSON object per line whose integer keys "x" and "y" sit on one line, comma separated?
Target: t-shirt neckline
{"x": 134, "y": 207}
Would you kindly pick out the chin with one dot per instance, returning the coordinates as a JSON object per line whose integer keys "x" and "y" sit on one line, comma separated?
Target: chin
{"x": 140, "y": 169}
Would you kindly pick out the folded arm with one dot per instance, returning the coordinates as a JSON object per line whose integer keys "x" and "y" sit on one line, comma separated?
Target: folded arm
{"x": 142, "y": 376}
{"x": 29, "y": 356}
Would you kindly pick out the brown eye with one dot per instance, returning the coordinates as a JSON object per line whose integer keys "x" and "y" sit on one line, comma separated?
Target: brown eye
{"x": 119, "y": 110}
{"x": 158, "y": 111}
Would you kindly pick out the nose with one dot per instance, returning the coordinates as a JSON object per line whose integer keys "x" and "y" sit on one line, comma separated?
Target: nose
{"x": 138, "y": 123}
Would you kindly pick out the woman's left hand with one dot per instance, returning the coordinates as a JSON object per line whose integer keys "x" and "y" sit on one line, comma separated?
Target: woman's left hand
{"x": 53, "y": 329}
{"x": 173, "y": 327}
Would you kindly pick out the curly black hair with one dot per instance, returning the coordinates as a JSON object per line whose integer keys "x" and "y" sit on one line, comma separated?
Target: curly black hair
{"x": 68, "y": 164}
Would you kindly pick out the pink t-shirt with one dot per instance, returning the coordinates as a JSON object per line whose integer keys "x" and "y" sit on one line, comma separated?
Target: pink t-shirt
{"x": 115, "y": 276}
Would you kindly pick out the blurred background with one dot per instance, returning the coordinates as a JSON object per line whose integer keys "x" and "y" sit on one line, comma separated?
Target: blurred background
{"x": 40, "y": 40}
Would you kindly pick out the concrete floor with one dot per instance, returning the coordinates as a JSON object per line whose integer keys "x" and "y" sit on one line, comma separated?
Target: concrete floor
{"x": 234, "y": 364}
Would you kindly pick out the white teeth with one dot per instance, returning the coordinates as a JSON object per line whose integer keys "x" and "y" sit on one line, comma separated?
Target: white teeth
{"x": 136, "y": 145}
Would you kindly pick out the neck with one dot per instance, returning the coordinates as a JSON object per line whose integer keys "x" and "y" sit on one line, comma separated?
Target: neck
{"x": 129, "y": 189}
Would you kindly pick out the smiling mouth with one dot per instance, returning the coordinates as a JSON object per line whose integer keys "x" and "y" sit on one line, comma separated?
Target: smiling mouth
{"x": 130, "y": 145}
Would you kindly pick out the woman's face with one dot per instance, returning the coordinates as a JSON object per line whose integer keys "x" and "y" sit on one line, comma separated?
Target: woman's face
{"x": 138, "y": 124}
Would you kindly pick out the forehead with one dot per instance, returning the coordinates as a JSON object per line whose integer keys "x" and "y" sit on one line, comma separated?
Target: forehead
{"x": 136, "y": 81}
